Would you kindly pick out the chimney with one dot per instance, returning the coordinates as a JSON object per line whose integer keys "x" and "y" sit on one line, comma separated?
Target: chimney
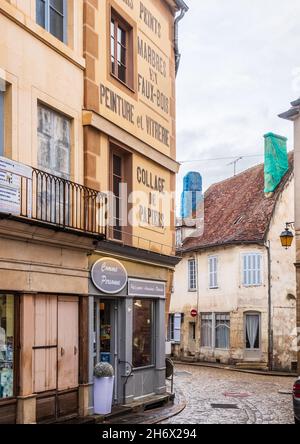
{"x": 276, "y": 161}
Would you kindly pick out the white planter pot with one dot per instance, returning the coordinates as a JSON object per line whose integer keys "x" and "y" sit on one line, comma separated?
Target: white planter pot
{"x": 103, "y": 395}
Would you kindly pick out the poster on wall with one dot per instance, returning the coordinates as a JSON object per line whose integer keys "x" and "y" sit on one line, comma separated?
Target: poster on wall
{"x": 15, "y": 179}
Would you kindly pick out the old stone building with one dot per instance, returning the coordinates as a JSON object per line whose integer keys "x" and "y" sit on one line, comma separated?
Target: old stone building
{"x": 293, "y": 114}
{"x": 87, "y": 103}
{"x": 234, "y": 297}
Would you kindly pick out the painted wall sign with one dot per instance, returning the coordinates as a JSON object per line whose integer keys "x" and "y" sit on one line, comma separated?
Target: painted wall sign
{"x": 139, "y": 287}
{"x": 109, "y": 276}
{"x": 11, "y": 175}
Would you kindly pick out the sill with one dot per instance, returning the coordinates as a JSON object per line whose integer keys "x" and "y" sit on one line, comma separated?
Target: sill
{"x": 214, "y": 288}
{"x": 192, "y": 291}
{"x": 25, "y": 22}
{"x": 122, "y": 83}
{"x": 147, "y": 367}
{"x": 252, "y": 285}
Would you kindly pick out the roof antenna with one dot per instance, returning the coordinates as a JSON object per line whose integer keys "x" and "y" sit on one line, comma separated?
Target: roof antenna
{"x": 234, "y": 163}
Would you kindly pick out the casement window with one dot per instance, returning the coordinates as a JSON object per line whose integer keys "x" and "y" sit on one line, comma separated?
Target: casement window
{"x": 252, "y": 269}
{"x": 222, "y": 331}
{"x": 206, "y": 329}
{"x": 117, "y": 172}
{"x": 52, "y": 16}
{"x": 54, "y": 142}
{"x": 1, "y": 123}
{"x": 121, "y": 49}
{"x": 174, "y": 327}
{"x": 215, "y": 330}
{"x": 192, "y": 275}
{"x": 213, "y": 272}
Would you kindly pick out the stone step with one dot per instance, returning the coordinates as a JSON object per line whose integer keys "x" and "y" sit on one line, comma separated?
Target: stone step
{"x": 252, "y": 365}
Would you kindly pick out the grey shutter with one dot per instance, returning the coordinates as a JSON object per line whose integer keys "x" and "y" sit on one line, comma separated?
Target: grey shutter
{"x": 41, "y": 13}
{"x": 1, "y": 123}
{"x": 177, "y": 327}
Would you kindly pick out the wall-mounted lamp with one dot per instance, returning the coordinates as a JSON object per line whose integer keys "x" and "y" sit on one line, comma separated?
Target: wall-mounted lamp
{"x": 287, "y": 236}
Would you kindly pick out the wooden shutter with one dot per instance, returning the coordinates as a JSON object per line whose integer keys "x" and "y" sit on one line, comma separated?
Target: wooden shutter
{"x": 45, "y": 343}
{"x": 68, "y": 352}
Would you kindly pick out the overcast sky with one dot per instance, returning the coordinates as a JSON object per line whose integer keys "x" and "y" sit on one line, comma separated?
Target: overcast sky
{"x": 240, "y": 68}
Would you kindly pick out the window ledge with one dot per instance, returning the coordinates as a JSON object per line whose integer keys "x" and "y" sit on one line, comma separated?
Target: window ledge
{"x": 192, "y": 291}
{"x": 40, "y": 33}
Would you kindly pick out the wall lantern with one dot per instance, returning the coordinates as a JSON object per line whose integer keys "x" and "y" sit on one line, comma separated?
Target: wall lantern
{"x": 287, "y": 236}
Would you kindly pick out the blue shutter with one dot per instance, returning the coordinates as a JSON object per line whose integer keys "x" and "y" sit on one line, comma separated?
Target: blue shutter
{"x": 177, "y": 327}
{"x": 1, "y": 123}
{"x": 41, "y": 13}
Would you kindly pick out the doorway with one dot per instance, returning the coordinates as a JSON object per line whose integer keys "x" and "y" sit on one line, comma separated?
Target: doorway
{"x": 56, "y": 356}
{"x": 106, "y": 336}
{"x": 252, "y": 336}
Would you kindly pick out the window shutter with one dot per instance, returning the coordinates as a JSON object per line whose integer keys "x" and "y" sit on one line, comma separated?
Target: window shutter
{"x": 259, "y": 261}
{"x": 177, "y": 327}
{"x": 215, "y": 261}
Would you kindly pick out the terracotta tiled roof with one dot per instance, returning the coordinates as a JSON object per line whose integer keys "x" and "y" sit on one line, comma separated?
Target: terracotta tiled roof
{"x": 237, "y": 211}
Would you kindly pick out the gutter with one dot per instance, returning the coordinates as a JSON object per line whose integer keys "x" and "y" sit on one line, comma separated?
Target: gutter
{"x": 270, "y": 324}
{"x": 183, "y": 8}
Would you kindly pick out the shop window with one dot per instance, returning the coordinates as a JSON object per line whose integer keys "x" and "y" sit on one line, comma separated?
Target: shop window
{"x": 52, "y": 16}
{"x": 143, "y": 334}
{"x": 121, "y": 49}
{"x": 1, "y": 123}
{"x": 6, "y": 346}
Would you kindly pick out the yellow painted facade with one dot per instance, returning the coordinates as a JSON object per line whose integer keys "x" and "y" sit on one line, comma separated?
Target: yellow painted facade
{"x": 139, "y": 118}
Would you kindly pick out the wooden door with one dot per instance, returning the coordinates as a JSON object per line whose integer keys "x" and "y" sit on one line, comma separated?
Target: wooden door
{"x": 68, "y": 346}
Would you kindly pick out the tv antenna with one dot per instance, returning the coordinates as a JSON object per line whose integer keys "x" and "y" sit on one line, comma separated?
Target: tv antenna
{"x": 234, "y": 163}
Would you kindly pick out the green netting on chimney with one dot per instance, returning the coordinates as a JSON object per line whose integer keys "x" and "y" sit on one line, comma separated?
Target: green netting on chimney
{"x": 276, "y": 161}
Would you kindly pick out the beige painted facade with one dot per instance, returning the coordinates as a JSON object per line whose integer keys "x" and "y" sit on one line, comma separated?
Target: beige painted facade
{"x": 233, "y": 298}
{"x": 40, "y": 266}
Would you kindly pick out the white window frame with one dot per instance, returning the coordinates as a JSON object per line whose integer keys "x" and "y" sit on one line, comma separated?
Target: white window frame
{"x": 47, "y": 19}
{"x": 213, "y": 329}
{"x": 174, "y": 328}
{"x": 213, "y": 263}
{"x": 192, "y": 281}
{"x": 252, "y": 269}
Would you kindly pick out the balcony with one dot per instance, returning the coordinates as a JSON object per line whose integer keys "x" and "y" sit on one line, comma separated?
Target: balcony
{"x": 39, "y": 197}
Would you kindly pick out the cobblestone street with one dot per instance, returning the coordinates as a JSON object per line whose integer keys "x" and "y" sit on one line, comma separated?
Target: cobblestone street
{"x": 217, "y": 396}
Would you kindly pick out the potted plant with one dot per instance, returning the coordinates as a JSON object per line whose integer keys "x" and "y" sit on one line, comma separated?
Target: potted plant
{"x": 103, "y": 388}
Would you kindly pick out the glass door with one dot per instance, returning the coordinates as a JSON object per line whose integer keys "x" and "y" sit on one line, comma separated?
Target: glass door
{"x": 105, "y": 334}
{"x": 252, "y": 335}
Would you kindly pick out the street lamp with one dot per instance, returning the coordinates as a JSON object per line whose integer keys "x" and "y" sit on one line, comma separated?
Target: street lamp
{"x": 287, "y": 236}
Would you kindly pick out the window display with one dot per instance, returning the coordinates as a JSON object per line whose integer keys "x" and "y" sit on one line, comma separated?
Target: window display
{"x": 142, "y": 333}
{"x": 6, "y": 345}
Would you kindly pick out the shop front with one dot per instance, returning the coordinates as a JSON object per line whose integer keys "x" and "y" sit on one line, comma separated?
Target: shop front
{"x": 127, "y": 325}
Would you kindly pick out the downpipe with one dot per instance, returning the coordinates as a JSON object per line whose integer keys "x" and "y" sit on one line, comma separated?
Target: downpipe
{"x": 183, "y": 9}
{"x": 270, "y": 323}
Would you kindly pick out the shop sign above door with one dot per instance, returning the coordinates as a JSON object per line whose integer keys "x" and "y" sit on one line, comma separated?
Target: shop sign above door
{"x": 138, "y": 287}
{"x": 109, "y": 276}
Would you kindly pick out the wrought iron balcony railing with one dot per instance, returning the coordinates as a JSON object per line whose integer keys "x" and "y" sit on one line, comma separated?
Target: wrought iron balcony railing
{"x": 52, "y": 200}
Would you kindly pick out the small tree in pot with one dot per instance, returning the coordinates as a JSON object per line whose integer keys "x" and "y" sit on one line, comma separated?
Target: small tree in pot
{"x": 103, "y": 388}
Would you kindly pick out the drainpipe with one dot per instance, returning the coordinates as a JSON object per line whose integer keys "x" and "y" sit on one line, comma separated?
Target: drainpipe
{"x": 183, "y": 8}
{"x": 270, "y": 326}
{"x": 198, "y": 303}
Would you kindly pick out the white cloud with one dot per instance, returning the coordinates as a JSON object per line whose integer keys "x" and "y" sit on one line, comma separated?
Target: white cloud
{"x": 237, "y": 72}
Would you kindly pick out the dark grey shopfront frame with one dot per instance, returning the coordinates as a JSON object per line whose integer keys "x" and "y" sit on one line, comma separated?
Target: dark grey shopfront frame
{"x": 143, "y": 381}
